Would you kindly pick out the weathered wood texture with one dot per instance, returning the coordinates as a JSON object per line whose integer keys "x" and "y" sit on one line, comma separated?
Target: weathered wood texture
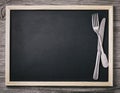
{"x": 115, "y": 89}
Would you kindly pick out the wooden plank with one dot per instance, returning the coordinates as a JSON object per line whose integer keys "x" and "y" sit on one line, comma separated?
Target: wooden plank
{"x": 115, "y": 89}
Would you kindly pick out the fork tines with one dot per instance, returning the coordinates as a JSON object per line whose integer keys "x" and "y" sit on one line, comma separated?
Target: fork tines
{"x": 95, "y": 20}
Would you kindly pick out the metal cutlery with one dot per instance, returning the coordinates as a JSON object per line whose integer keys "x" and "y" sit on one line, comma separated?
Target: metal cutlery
{"x": 101, "y": 33}
{"x": 95, "y": 25}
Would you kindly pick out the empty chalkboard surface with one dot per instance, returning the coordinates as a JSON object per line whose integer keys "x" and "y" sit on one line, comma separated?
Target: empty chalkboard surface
{"x": 55, "y": 45}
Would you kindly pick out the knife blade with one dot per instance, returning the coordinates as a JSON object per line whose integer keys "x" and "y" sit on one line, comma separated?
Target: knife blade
{"x": 101, "y": 31}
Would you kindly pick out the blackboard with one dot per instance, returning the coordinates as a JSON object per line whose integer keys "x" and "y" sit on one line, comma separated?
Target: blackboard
{"x": 55, "y": 45}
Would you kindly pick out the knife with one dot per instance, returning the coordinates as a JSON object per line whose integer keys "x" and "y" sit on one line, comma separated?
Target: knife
{"x": 101, "y": 33}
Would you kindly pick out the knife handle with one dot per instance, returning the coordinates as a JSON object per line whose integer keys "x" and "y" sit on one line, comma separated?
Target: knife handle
{"x": 103, "y": 55}
{"x": 96, "y": 69}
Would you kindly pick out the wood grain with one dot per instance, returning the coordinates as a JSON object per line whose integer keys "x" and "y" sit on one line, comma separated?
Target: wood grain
{"x": 115, "y": 89}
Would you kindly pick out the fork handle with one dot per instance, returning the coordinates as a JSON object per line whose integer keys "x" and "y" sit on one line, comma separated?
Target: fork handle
{"x": 96, "y": 69}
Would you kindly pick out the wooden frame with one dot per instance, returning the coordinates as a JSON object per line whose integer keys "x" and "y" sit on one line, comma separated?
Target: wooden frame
{"x": 58, "y": 7}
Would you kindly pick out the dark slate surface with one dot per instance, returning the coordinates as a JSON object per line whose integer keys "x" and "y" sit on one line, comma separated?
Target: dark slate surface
{"x": 54, "y": 46}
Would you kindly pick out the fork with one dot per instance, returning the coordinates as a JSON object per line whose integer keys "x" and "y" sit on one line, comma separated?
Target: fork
{"x": 95, "y": 25}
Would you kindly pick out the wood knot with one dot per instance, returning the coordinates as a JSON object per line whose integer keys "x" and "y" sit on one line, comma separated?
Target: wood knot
{"x": 2, "y": 13}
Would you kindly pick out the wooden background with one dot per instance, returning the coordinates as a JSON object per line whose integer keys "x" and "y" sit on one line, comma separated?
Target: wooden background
{"x": 115, "y": 89}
